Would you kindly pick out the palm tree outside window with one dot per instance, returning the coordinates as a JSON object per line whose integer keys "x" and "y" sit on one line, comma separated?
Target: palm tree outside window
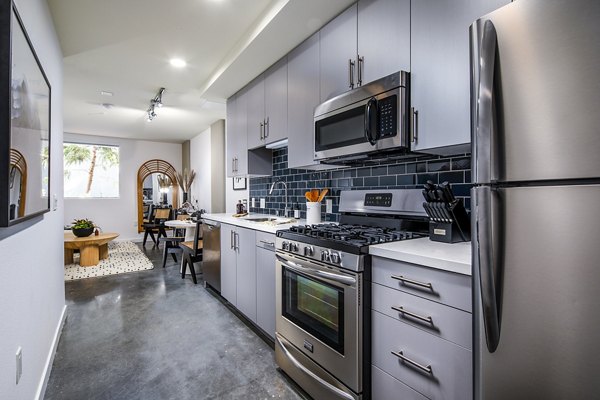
{"x": 91, "y": 170}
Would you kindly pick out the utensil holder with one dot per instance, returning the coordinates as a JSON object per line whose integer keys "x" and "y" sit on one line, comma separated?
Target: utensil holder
{"x": 313, "y": 213}
{"x": 448, "y": 222}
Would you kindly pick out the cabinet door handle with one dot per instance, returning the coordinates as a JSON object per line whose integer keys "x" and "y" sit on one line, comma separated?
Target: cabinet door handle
{"x": 361, "y": 64}
{"x": 350, "y": 73}
{"x": 415, "y": 125}
{"x": 272, "y": 244}
{"x": 231, "y": 240}
{"x": 236, "y": 241}
{"x": 401, "y": 310}
{"x": 262, "y": 130}
{"x": 267, "y": 128}
{"x": 237, "y": 164}
{"x": 413, "y": 282}
{"x": 424, "y": 368}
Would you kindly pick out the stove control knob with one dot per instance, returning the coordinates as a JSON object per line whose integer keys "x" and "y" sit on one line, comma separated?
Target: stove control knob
{"x": 285, "y": 245}
{"x": 325, "y": 255}
{"x": 336, "y": 257}
{"x": 309, "y": 251}
{"x": 294, "y": 247}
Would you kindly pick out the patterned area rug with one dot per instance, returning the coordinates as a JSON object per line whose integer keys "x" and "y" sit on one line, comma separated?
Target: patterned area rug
{"x": 122, "y": 257}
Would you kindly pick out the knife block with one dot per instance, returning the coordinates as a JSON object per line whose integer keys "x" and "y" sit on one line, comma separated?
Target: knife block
{"x": 448, "y": 222}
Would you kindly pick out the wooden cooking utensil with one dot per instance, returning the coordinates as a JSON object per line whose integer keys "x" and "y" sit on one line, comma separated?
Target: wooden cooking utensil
{"x": 322, "y": 195}
{"x": 308, "y": 196}
{"x": 314, "y": 194}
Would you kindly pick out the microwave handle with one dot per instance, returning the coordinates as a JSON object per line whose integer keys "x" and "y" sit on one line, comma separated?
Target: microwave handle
{"x": 371, "y": 121}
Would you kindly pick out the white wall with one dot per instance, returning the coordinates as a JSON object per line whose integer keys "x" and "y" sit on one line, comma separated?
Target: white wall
{"x": 32, "y": 298}
{"x": 200, "y": 157}
{"x": 207, "y": 151}
{"x": 120, "y": 215}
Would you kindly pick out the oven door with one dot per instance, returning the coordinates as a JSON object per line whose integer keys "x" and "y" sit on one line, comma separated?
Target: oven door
{"x": 319, "y": 313}
{"x": 375, "y": 123}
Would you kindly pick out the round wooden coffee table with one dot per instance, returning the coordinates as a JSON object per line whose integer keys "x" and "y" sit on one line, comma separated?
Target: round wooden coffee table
{"x": 92, "y": 248}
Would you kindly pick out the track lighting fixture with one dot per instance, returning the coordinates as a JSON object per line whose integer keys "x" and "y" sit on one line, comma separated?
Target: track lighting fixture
{"x": 156, "y": 101}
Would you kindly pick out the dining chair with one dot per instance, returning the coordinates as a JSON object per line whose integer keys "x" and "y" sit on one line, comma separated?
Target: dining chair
{"x": 156, "y": 224}
{"x": 192, "y": 252}
{"x": 171, "y": 243}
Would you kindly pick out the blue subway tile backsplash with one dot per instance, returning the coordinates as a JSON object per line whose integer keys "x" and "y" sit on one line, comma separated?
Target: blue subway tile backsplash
{"x": 396, "y": 174}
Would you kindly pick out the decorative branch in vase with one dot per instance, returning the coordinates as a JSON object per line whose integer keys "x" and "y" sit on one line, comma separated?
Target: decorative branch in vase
{"x": 185, "y": 181}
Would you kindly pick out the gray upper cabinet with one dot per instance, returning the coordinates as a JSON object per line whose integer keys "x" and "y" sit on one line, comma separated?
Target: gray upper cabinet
{"x": 276, "y": 100}
{"x": 440, "y": 81}
{"x": 303, "y": 87}
{"x": 256, "y": 112}
{"x": 236, "y": 152}
{"x": 267, "y": 106}
{"x": 337, "y": 52}
{"x": 383, "y": 38}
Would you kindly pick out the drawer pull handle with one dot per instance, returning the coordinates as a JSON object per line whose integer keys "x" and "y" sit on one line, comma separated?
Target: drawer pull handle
{"x": 272, "y": 244}
{"x": 424, "y": 368}
{"x": 401, "y": 310}
{"x": 412, "y": 282}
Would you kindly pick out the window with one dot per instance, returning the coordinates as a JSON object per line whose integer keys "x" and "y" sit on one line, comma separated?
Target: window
{"x": 91, "y": 170}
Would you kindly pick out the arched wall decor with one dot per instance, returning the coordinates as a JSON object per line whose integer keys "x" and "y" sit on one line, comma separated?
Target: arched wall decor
{"x": 18, "y": 161}
{"x": 152, "y": 167}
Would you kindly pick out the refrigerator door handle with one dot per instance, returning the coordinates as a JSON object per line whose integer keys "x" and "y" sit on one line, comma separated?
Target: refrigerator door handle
{"x": 484, "y": 47}
{"x": 484, "y": 260}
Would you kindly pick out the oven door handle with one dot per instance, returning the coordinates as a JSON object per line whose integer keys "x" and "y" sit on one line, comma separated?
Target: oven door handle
{"x": 343, "y": 279}
{"x": 308, "y": 372}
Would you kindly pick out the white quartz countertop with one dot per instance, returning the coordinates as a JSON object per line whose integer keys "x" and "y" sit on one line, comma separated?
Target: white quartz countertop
{"x": 454, "y": 257}
{"x": 270, "y": 227}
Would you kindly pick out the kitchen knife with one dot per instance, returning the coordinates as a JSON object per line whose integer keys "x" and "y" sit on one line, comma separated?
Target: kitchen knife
{"x": 448, "y": 191}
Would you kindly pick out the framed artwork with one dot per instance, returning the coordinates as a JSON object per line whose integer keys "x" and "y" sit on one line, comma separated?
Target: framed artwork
{"x": 239, "y": 183}
{"x": 25, "y": 117}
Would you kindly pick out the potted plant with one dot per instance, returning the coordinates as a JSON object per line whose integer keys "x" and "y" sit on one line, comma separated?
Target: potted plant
{"x": 82, "y": 227}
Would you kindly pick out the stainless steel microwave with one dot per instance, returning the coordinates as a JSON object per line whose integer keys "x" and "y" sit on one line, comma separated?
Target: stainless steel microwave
{"x": 370, "y": 118}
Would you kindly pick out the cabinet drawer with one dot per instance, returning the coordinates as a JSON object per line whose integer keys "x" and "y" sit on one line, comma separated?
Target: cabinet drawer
{"x": 386, "y": 387}
{"x": 265, "y": 240}
{"x": 450, "y": 375}
{"x": 442, "y": 286}
{"x": 446, "y": 322}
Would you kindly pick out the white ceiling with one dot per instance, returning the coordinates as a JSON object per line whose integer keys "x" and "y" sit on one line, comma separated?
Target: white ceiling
{"x": 124, "y": 47}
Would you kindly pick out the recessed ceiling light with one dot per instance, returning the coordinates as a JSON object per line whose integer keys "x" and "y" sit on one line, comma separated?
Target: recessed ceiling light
{"x": 106, "y": 93}
{"x": 178, "y": 62}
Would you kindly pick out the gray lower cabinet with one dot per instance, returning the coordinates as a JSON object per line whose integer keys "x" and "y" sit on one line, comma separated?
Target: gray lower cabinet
{"x": 228, "y": 264}
{"x": 246, "y": 272}
{"x": 440, "y": 80}
{"x": 265, "y": 282}
{"x": 421, "y": 332}
{"x": 238, "y": 268}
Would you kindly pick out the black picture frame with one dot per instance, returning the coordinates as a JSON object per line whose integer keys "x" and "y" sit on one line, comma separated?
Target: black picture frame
{"x": 239, "y": 183}
{"x": 25, "y": 111}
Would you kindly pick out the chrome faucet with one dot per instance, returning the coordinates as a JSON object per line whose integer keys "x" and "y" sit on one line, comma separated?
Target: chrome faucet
{"x": 285, "y": 212}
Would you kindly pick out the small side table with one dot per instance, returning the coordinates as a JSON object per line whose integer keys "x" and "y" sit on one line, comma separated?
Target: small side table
{"x": 92, "y": 248}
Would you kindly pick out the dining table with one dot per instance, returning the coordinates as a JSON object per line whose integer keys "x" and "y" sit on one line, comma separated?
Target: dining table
{"x": 188, "y": 225}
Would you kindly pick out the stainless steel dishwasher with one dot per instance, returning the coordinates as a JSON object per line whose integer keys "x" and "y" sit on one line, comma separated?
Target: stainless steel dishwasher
{"x": 211, "y": 254}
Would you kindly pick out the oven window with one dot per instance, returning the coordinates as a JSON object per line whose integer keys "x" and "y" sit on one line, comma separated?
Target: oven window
{"x": 340, "y": 130}
{"x": 315, "y": 306}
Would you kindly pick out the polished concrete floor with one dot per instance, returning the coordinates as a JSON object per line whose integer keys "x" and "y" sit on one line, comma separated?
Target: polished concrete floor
{"x": 151, "y": 335}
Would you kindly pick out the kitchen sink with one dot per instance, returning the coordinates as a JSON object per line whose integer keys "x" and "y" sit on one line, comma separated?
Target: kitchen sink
{"x": 261, "y": 219}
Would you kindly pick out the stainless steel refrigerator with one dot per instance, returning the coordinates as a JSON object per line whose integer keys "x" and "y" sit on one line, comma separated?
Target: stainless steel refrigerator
{"x": 535, "y": 68}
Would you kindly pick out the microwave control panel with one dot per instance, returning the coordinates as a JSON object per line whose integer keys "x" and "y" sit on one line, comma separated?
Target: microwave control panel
{"x": 388, "y": 115}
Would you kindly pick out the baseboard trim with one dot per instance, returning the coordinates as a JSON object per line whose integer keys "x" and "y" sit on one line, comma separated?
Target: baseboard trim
{"x": 50, "y": 360}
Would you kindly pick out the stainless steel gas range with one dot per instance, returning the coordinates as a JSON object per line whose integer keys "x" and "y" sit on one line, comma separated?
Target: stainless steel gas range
{"x": 323, "y": 290}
